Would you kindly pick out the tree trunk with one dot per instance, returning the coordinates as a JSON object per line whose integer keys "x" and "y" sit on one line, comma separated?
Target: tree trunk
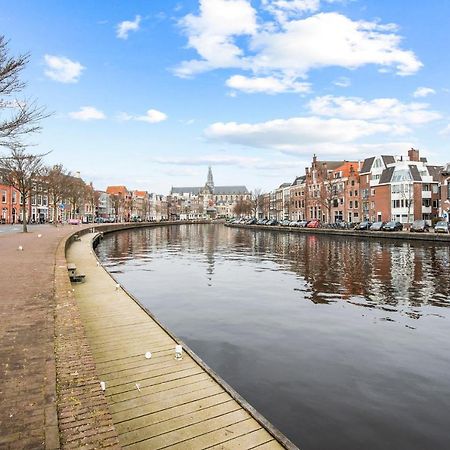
{"x": 24, "y": 216}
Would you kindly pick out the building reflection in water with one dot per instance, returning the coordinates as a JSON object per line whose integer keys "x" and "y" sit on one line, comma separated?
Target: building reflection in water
{"x": 365, "y": 272}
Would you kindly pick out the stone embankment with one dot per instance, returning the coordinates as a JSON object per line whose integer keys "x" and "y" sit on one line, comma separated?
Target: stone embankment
{"x": 400, "y": 235}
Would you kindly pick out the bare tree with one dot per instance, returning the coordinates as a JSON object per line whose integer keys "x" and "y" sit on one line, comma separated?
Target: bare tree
{"x": 22, "y": 171}
{"x": 55, "y": 180}
{"x": 18, "y": 117}
{"x": 243, "y": 207}
{"x": 76, "y": 194}
{"x": 329, "y": 193}
{"x": 256, "y": 200}
{"x": 117, "y": 202}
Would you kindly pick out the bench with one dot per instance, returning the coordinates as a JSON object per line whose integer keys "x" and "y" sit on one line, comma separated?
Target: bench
{"x": 71, "y": 267}
{"x": 77, "y": 277}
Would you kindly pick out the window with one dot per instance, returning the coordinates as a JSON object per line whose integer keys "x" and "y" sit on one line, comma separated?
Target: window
{"x": 353, "y": 182}
{"x": 3, "y": 196}
{"x": 356, "y": 193}
{"x": 356, "y": 204}
{"x": 351, "y": 204}
{"x": 14, "y": 197}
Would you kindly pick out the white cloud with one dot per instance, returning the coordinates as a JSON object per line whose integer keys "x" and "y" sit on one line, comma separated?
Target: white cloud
{"x": 342, "y": 82}
{"x": 380, "y": 109}
{"x": 423, "y": 92}
{"x": 227, "y": 160}
{"x": 331, "y": 39}
{"x": 152, "y": 116}
{"x": 62, "y": 69}
{"x": 286, "y": 9}
{"x": 228, "y": 34}
{"x": 87, "y": 113}
{"x": 212, "y": 34}
{"x": 297, "y": 132}
{"x": 123, "y": 28}
{"x": 267, "y": 85}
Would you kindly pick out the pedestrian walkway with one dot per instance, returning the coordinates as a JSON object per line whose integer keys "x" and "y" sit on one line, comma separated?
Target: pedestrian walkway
{"x": 156, "y": 402}
{"x": 28, "y": 416}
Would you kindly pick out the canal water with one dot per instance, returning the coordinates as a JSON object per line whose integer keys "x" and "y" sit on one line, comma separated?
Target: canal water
{"x": 342, "y": 343}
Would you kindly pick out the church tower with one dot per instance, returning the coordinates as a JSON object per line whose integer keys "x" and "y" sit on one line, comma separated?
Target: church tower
{"x": 210, "y": 182}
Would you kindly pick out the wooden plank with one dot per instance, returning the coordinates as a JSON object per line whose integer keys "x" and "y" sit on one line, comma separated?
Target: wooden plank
{"x": 177, "y": 423}
{"x": 188, "y": 437}
{"x": 167, "y": 403}
{"x": 173, "y": 412}
{"x": 121, "y": 399}
{"x": 246, "y": 441}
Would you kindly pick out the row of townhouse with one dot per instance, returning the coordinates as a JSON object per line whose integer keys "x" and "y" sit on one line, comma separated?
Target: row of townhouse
{"x": 122, "y": 205}
{"x": 80, "y": 201}
{"x": 380, "y": 188}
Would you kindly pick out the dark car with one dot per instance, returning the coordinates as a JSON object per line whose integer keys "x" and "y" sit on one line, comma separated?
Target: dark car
{"x": 442, "y": 227}
{"x": 364, "y": 225}
{"x": 392, "y": 226}
{"x": 419, "y": 226}
{"x": 377, "y": 226}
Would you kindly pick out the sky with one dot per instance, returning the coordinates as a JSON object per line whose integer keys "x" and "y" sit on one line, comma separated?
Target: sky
{"x": 148, "y": 93}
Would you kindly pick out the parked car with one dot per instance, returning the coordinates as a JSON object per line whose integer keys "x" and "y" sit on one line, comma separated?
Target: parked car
{"x": 377, "y": 226}
{"x": 302, "y": 223}
{"x": 442, "y": 227}
{"x": 284, "y": 223}
{"x": 419, "y": 226}
{"x": 392, "y": 226}
{"x": 313, "y": 224}
{"x": 365, "y": 225}
{"x": 272, "y": 222}
{"x": 73, "y": 221}
{"x": 251, "y": 221}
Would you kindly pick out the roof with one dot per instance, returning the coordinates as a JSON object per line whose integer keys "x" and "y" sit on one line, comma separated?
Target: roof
{"x": 415, "y": 173}
{"x": 386, "y": 175}
{"x": 388, "y": 159}
{"x": 186, "y": 190}
{"x": 116, "y": 190}
{"x": 140, "y": 193}
{"x": 284, "y": 185}
{"x": 331, "y": 165}
{"x": 299, "y": 180}
{"x": 367, "y": 165}
{"x": 435, "y": 172}
{"x": 218, "y": 190}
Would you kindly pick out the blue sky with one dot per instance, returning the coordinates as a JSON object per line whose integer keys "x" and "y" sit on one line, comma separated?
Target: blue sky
{"x": 148, "y": 93}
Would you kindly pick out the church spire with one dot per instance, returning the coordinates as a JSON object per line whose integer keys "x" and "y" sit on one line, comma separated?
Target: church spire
{"x": 210, "y": 182}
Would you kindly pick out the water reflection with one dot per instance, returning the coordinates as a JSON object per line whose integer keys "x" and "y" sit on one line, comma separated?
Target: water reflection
{"x": 340, "y": 342}
{"x": 362, "y": 272}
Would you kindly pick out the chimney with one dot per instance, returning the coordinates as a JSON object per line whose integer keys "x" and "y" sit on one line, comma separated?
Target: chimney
{"x": 413, "y": 154}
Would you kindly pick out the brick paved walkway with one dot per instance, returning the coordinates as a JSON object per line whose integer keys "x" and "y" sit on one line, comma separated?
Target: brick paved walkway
{"x": 28, "y": 416}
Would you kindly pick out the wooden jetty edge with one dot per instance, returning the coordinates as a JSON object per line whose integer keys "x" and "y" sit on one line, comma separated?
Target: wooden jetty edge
{"x": 158, "y": 402}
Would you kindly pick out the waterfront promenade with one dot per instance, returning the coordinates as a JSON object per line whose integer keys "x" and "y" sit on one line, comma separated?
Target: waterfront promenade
{"x": 27, "y": 364}
{"x": 159, "y": 402}
{"x": 59, "y": 340}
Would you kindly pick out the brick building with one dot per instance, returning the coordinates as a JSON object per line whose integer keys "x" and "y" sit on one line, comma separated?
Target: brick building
{"x": 9, "y": 204}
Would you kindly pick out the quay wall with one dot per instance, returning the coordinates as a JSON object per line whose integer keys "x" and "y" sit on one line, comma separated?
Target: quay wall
{"x": 398, "y": 235}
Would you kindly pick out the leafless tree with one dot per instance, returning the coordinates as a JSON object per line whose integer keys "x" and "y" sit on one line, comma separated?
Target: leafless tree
{"x": 55, "y": 181}
{"x": 19, "y": 117}
{"x": 76, "y": 194}
{"x": 256, "y": 200}
{"x": 243, "y": 207}
{"x": 22, "y": 171}
{"x": 117, "y": 203}
{"x": 329, "y": 193}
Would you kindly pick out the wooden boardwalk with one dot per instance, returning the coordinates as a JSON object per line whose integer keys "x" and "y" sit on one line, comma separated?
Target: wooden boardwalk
{"x": 159, "y": 402}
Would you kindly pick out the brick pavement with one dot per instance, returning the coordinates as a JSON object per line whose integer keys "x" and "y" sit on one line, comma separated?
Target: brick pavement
{"x": 28, "y": 412}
